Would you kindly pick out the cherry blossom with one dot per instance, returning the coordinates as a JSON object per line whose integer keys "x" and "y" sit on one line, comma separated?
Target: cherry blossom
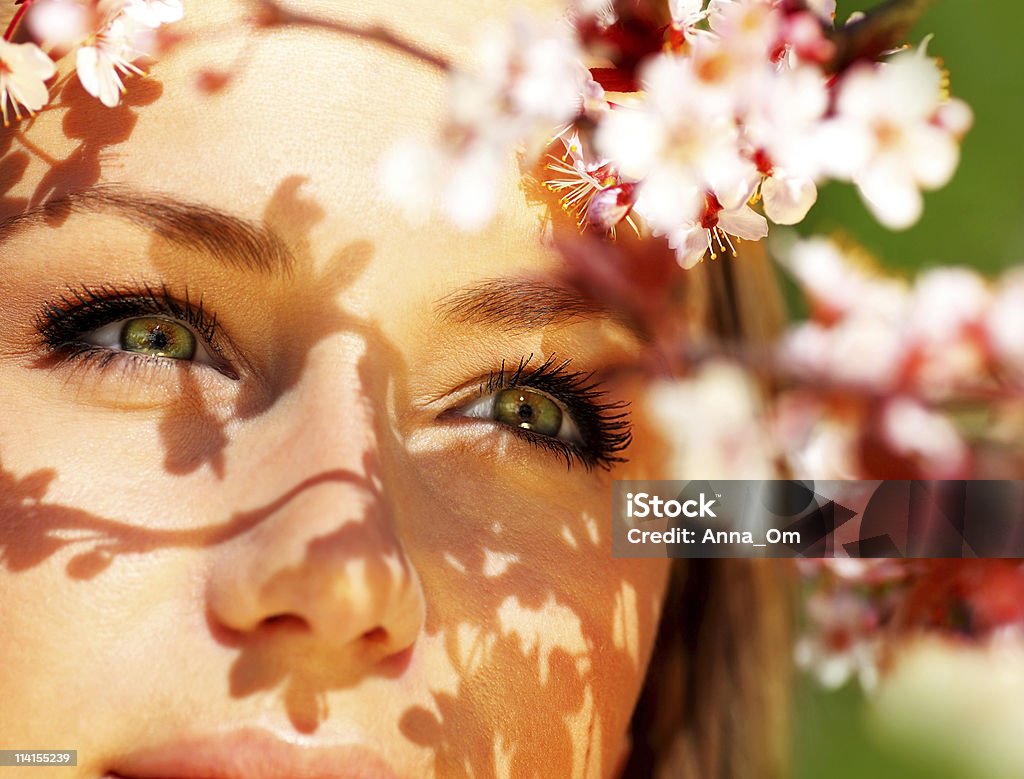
{"x": 106, "y": 38}
{"x": 842, "y": 641}
{"x": 24, "y": 70}
{"x": 1004, "y": 323}
{"x": 742, "y": 101}
{"x": 713, "y": 230}
{"x": 887, "y": 135}
{"x": 105, "y": 58}
{"x": 590, "y": 189}
{"x": 715, "y": 423}
{"x": 686, "y": 15}
{"x": 60, "y": 23}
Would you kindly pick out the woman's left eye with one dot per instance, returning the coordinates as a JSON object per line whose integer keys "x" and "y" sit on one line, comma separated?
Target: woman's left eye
{"x": 527, "y": 409}
{"x": 151, "y": 336}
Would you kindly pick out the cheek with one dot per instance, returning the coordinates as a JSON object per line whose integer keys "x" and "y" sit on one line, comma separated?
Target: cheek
{"x": 546, "y": 635}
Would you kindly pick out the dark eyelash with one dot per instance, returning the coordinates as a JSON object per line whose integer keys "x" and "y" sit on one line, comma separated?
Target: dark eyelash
{"x": 603, "y": 426}
{"x": 63, "y": 322}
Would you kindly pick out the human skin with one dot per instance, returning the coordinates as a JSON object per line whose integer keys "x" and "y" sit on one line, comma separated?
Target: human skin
{"x": 311, "y": 543}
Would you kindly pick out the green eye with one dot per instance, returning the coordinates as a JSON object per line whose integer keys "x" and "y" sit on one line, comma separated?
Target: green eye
{"x": 158, "y": 338}
{"x": 529, "y": 410}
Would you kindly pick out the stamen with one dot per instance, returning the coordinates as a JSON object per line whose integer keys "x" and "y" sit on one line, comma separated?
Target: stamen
{"x": 711, "y": 247}
{"x": 731, "y": 247}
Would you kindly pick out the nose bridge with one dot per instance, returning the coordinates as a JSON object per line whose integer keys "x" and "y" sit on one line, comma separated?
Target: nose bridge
{"x": 330, "y": 416}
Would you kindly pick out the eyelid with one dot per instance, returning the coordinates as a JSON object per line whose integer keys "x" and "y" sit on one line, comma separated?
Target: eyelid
{"x": 108, "y": 336}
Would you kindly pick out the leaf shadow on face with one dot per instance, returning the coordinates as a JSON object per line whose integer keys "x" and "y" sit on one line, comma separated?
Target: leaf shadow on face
{"x": 91, "y": 127}
{"x": 33, "y": 529}
{"x": 198, "y": 436}
{"x": 515, "y": 694}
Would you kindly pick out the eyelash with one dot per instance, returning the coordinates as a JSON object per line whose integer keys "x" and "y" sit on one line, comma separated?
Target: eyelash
{"x": 63, "y": 322}
{"x": 604, "y": 426}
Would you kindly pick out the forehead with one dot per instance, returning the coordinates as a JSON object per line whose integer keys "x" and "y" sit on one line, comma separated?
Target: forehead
{"x": 306, "y": 112}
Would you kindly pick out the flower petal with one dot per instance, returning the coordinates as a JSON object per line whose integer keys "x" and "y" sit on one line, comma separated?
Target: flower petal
{"x": 690, "y": 245}
{"x": 744, "y": 223}
{"x": 787, "y": 200}
{"x": 98, "y": 76}
{"x": 891, "y": 195}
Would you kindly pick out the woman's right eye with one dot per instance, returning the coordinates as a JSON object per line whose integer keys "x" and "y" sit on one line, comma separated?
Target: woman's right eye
{"x": 151, "y": 336}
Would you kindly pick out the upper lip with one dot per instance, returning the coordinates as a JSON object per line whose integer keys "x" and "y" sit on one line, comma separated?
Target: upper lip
{"x": 254, "y": 753}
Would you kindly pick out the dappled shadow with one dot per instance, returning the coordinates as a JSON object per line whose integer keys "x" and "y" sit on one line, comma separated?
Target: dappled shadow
{"x": 13, "y": 165}
{"x": 93, "y": 129}
{"x": 193, "y": 437}
{"x": 262, "y": 665}
{"x": 499, "y": 574}
{"x": 199, "y": 435}
{"x": 33, "y": 529}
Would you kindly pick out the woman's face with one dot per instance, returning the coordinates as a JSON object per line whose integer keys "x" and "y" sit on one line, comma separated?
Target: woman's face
{"x": 261, "y": 487}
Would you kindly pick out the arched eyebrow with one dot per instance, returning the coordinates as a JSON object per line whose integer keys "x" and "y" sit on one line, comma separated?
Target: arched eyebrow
{"x": 518, "y": 304}
{"x": 238, "y": 243}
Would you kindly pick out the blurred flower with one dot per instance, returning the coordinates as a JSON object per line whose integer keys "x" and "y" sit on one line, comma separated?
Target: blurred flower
{"x": 714, "y": 423}
{"x": 24, "y": 70}
{"x": 886, "y": 137}
{"x": 748, "y": 29}
{"x": 1004, "y": 322}
{"x": 841, "y": 638}
{"x": 926, "y": 437}
{"x": 153, "y": 13}
{"x": 959, "y": 704}
{"x": 526, "y": 81}
{"x": 462, "y": 184}
{"x": 60, "y": 23}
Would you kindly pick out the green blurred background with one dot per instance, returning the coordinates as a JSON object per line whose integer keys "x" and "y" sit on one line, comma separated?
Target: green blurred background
{"x": 976, "y": 220}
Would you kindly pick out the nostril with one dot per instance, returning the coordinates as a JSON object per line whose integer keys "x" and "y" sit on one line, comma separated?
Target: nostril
{"x": 286, "y": 622}
{"x": 376, "y": 636}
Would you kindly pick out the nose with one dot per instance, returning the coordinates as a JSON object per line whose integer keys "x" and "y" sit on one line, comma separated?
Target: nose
{"x": 321, "y": 561}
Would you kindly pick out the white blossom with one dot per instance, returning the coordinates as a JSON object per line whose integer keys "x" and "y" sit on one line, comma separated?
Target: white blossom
{"x": 714, "y": 425}
{"x": 24, "y": 70}
{"x": 61, "y": 24}
{"x": 109, "y": 55}
{"x": 885, "y": 136}
{"x": 712, "y": 232}
{"x": 1004, "y": 322}
{"x": 841, "y": 641}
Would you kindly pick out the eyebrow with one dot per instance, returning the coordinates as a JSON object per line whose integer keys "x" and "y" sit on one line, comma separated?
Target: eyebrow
{"x": 517, "y": 304}
{"x": 238, "y": 243}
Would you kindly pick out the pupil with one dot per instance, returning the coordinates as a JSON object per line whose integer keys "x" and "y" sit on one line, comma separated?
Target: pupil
{"x": 525, "y": 412}
{"x": 158, "y": 339}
